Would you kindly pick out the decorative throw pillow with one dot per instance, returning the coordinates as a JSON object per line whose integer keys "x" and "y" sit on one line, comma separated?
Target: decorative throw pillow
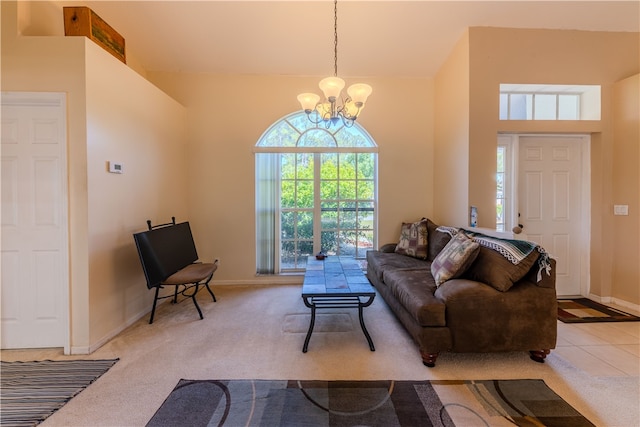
{"x": 495, "y": 270}
{"x": 454, "y": 258}
{"x": 413, "y": 239}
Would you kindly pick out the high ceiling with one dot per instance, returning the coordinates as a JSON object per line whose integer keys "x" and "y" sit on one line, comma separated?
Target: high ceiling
{"x": 376, "y": 38}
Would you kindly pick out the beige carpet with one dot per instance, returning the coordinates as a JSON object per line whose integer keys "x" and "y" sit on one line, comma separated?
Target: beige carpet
{"x": 250, "y": 333}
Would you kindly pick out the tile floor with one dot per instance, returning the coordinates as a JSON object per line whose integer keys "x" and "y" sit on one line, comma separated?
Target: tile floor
{"x": 601, "y": 349}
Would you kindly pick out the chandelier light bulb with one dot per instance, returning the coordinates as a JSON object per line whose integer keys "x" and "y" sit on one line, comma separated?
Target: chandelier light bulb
{"x": 331, "y": 87}
{"x": 308, "y": 101}
{"x": 359, "y": 93}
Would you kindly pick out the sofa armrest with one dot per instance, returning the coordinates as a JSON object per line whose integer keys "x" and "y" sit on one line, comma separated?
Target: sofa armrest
{"x": 388, "y": 248}
{"x": 547, "y": 281}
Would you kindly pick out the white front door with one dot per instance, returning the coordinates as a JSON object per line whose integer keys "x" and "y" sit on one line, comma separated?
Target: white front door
{"x": 35, "y": 267}
{"x": 553, "y": 206}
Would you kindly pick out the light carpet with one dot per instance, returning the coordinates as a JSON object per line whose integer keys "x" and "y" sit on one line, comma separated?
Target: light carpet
{"x": 383, "y": 403}
{"x": 242, "y": 337}
{"x": 32, "y": 391}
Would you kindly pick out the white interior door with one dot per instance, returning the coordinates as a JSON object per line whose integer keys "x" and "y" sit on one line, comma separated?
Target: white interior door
{"x": 35, "y": 271}
{"x": 552, "y": 205}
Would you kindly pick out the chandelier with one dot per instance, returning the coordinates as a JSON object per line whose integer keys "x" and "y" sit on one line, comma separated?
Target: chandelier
{"x": 334, "y": 108}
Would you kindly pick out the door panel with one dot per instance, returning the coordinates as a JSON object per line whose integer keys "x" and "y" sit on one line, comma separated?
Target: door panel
{"x": 550, "y": 198}
{"x": 35, "y": 290}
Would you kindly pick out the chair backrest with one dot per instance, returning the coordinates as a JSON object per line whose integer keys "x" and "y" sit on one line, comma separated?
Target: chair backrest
{"x": 165, "y": 250}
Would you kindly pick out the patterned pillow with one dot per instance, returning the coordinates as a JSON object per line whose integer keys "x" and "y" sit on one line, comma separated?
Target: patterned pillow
{"x": 454, "y": 259}
{"x": 413, "y": 239}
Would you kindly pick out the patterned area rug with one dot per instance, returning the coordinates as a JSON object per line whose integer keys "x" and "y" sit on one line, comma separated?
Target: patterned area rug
{"x": 583, "y": 310}
{"x": 365, "y": 403}
{"x": 32, "y": 391}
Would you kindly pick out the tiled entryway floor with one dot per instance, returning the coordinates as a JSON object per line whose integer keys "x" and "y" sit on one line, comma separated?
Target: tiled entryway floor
{"x": 604, "y": 349}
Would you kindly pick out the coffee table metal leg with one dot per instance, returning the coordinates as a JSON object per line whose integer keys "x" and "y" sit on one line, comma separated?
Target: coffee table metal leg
{"x": 364, "y": 328}
{"x": 311, "y": 323}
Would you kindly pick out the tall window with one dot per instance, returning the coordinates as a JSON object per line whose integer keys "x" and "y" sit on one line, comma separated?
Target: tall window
{"x": 500, "y": 193}
{"x": 315, "y": 191}
{"x": 504, "y": 182}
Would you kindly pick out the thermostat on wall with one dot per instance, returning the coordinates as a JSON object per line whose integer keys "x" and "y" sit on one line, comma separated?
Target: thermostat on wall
{"x": 115, "y": 167}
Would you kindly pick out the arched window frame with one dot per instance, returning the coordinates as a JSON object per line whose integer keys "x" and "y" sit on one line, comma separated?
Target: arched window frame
{"x": 294, "y": 134}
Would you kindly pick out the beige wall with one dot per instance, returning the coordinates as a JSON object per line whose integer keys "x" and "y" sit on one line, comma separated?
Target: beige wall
{"x": 452, "y": 148}
{"x": 113, "y": 114}
{"x": 499, "y": 55}
{"x": 626, "y": 173}
{"x": 129, "y": 121}
{"x": 424, "y": 169}
{"x": 228, "y": 114}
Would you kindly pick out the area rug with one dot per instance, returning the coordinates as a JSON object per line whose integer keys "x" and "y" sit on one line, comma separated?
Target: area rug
{"x": 365, "y": 403}
{"x": 32, "y": 391}
{"x": 583, "y": 310}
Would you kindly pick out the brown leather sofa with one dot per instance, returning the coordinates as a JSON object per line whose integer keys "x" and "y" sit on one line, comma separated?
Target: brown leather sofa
{"x": 465, "y": 315}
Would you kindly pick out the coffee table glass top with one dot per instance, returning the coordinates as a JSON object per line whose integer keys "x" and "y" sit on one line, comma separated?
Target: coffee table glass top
{"x": 335, "y": 275}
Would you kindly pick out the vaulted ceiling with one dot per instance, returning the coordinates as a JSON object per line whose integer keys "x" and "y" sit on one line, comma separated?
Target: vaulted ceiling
{"x": 376, "y": 38}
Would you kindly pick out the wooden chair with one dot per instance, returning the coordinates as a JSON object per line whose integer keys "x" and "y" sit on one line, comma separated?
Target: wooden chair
{"x": 169, "y": 258}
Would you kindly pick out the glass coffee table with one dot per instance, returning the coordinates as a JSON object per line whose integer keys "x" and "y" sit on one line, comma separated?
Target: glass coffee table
{"x": 336, "y": 282}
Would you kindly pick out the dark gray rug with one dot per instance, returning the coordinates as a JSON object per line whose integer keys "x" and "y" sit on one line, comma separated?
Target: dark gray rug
{"x": 365, "y": 403}
{"x": 32, "y": 391}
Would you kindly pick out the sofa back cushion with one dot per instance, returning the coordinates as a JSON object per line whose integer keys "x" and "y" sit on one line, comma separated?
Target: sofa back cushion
{"x": 437, "y": 240}
{"x": 454, "y": 259}
{"x": 495, "y": 270}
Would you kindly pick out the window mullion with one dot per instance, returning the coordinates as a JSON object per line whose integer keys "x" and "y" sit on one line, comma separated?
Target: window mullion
{"x": 317, "y": 202}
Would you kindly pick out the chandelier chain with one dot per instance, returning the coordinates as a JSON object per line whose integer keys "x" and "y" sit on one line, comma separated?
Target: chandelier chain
{"x": 335, "y": 38}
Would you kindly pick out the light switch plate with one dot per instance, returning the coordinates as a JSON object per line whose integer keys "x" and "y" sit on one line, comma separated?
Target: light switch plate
{"x": 621, "y": 209}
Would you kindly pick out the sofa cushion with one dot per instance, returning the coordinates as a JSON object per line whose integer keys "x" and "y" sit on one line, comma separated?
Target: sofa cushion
{"x": 454, "y": 258}
{"x": 494, "y": 269}
{"x": 413, "y": 239}
{"x": 414, "y": 289}
{"x": 381, "y": 261}
{"x": 437, "y": 240}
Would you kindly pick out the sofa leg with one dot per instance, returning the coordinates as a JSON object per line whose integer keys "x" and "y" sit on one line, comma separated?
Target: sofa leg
{"x": 429, "y": 359}
{"x": 539, "y": 355}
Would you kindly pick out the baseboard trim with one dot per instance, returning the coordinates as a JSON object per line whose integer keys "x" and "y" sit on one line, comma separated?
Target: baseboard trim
{"x": 263, "y": 280}
{"x": 109, "y": 336}
{"x": 615, "y": 301}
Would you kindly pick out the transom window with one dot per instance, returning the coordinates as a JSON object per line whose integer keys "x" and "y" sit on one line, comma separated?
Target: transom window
{"x": 549, "y": 102}
{"x": 315, "y": 192}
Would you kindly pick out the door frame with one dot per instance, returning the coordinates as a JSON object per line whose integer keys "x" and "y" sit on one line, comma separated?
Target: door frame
{"x": 58, "y": 100}
{"x": 585, "y": 194}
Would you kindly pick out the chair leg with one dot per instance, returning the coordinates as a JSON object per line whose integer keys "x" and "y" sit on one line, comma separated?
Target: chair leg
{"x": 175, "y": 295}
{"x": 155, "y": 300}
{"x": 193, "y": 298}
{"x": 209, "y": 289}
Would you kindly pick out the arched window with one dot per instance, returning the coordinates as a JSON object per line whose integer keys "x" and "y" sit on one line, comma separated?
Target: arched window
{"x": 315, "y": 191}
